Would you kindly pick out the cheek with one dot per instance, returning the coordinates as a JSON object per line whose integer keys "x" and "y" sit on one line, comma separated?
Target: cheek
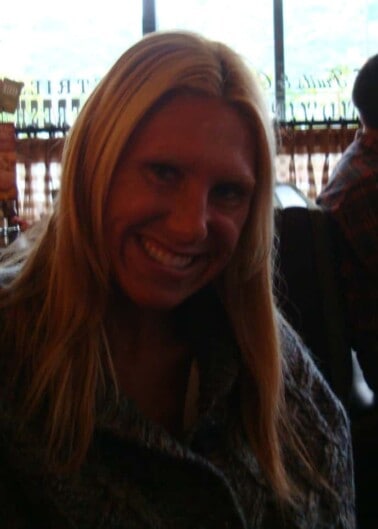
{"x": 124, "y": 213}
{"x": 238, "y": 221}
{"x": 229, "y": 232}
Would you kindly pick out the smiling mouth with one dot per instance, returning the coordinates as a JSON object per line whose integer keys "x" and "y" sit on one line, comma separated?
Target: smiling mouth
{"x": 165, "y": 257}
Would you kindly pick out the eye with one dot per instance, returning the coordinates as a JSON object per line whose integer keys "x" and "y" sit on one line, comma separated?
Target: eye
{"x": 230, "y": 193}
{"x": 163, "y": 172}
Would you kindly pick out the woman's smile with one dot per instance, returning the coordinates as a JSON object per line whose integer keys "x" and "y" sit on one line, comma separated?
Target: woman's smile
{"x": 178, "y": 201}
{"x": 164, "y": 256}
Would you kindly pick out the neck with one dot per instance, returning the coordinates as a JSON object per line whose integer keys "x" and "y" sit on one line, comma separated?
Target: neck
{"x": 135, "y": 332}
{"x": 151, "y": 363}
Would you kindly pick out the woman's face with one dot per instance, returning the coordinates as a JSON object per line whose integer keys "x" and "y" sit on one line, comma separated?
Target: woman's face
{"x": 178, "y": 201}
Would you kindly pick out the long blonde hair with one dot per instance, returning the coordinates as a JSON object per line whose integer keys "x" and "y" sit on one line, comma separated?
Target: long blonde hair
{"x": 57, "y": 305}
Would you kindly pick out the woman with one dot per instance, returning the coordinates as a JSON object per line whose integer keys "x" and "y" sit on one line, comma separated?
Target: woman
{"x": 149, "y": 380}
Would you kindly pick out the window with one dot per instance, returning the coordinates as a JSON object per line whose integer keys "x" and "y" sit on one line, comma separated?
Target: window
{"x": 61, "y": 55}
{"x": 325, "y": 44}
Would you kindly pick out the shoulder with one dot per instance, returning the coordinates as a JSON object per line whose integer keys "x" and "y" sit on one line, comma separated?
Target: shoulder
{"x": 322, "y": 427}
{"x": 354, "y": 178}
{"x": 310, "y": 400}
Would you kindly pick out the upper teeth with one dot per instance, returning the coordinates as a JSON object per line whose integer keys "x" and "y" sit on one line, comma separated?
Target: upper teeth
{"x": 165, "y": 257}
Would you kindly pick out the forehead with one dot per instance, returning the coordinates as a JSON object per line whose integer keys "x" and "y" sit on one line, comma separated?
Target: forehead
{"x": 189, "y": 121}
{"x": 200, "y": 110}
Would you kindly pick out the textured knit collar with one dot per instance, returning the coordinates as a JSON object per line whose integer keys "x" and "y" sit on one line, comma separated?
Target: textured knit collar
{"x": 213, "y": 374}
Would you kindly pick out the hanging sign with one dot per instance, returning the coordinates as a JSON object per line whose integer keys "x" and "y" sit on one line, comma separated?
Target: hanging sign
{"x": 9, "y": 95}
{"x": 8, "y": 186}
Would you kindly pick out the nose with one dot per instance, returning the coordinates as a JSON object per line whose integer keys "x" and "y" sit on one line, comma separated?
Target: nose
{"x": 189, "y": 217}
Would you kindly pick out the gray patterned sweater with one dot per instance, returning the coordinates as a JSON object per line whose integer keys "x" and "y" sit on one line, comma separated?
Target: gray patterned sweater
{"x": 137, "y": 476}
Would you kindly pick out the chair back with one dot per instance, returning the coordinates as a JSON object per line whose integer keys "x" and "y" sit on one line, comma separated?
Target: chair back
{"x": 307, "y": 287}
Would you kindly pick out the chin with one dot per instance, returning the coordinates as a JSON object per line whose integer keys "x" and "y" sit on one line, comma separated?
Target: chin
{"x": 160, "y": 302}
